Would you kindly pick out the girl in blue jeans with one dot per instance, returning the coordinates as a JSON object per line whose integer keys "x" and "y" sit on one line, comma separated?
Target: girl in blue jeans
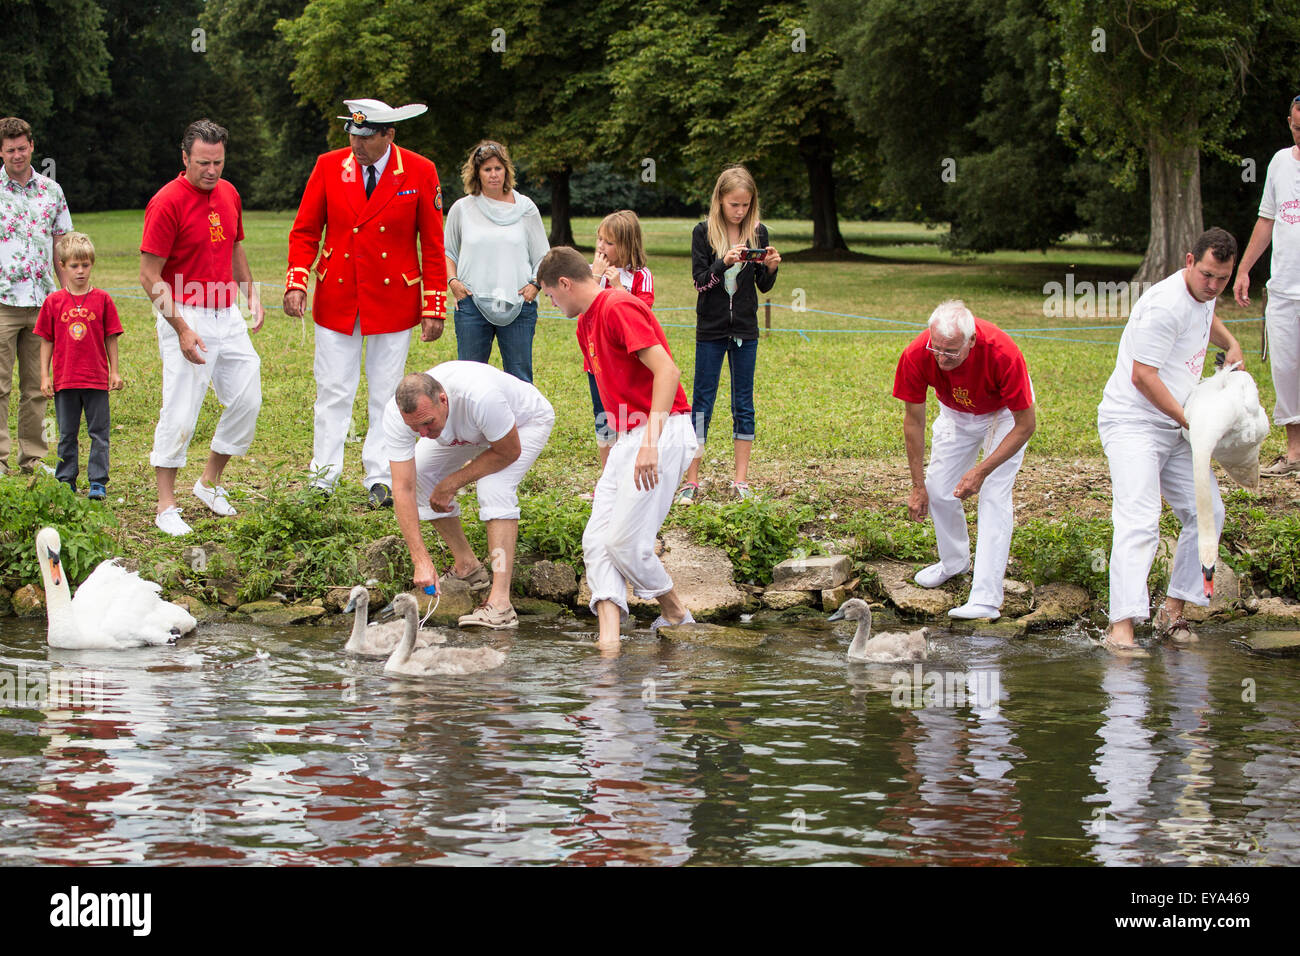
{"x": 731, "y": 263}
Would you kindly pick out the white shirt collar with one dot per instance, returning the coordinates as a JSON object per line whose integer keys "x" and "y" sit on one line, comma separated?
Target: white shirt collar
{"x": 379, "y": 166}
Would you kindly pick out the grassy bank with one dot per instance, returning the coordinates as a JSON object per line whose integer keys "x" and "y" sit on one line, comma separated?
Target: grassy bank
{"x": 828, "y": 459}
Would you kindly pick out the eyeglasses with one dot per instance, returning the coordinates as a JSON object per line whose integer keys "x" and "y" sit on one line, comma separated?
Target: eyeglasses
{"x": 944, "y": 353}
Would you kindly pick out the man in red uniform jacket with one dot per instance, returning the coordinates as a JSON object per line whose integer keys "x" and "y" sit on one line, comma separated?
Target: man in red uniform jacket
{"x": 373, "y": 200}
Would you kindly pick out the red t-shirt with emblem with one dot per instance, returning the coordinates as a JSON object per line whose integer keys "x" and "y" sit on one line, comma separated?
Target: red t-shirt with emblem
{"x": 79, "y": 327}
{"x": 196, "y": 232}
{"x": 993, "y": 375}
{"x": 614, "y": 328}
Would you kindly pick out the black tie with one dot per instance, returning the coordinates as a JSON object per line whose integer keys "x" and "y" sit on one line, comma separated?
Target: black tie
{"x": 370, "y": 180}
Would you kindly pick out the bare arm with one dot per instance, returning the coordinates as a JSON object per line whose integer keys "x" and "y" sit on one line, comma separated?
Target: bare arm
{"x": 1260, "y": 237}
{"x": 918, "y": 502}
{"x": 244, "y": 276}
{"x": 1026, "y": 420}
{"x": 114, "y": 378}
{"x": 47, "y": 379}
{"x": 1220, "y": 336}
{"x": 500, "y": 454}
{"x": 1146, "y": 379}
{"x": 160, "y": 293}
{"x": 407, "y": 512}
{"x": 667, "y": 377}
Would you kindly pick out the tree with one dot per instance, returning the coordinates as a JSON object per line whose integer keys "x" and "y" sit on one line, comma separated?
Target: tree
{"x": 1158, "y": 82}
{"x": 697, "y": 88}
{"x": 55, "y": 57}
{"x": 254, "y": 57}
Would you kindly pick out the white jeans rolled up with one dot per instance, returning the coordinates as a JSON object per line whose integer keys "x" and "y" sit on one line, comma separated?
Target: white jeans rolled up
{"x": 1282, "y": 319}
{"x": 337, "y": 368}
{"x": 1147, "y": 462}
{"x": 230, "y": 365}
{"x": 955, "y": 443}
{"x": 618, "y": 545}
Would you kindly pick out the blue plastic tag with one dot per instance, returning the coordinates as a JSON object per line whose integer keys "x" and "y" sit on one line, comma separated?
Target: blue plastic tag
{"x": 431, "y": 589}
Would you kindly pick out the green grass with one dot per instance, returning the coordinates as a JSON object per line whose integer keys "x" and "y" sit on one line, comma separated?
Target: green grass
{"x": 824, "y": 394}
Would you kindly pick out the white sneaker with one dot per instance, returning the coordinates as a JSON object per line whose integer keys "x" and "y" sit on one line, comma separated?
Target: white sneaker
{"x": 215, "y": 499}
{"x": 971, "y": 612}
{"x": 170, "y": 522}
{"x": 935, "y": 575}
{"x": 662, "y": 621}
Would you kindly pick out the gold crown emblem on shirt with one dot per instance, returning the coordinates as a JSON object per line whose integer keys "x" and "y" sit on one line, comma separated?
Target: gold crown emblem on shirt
{"x": 214, "y": 218}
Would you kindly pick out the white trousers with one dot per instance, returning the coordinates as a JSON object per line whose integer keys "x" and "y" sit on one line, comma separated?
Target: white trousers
{"x": 618, "y": 546}
{"x": 233, "y": 369}
{"x": 338, "y": 372}
{"x": 955, "y": 443}
{"x": 1282, "y": 319}
{"x": 1146, "y": 462}
{"x": 498, "y": 493}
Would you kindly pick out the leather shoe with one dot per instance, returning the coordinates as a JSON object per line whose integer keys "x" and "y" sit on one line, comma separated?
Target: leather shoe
{"x": 381, "y": 496}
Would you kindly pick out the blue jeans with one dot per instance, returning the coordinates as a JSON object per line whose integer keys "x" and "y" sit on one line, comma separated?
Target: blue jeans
{"x": 474, "y": 338}
{"x": 605, "y": 433}
{"x": 742, "y": 356}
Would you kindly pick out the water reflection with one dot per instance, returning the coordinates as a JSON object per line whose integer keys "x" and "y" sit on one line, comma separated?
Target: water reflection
{"x": 254, "y": 746}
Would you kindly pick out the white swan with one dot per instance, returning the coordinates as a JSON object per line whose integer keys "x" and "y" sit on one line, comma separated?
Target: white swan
{"x": 378, "y": 639}
{"x": 421, "y": 662}
{"x": 883, "y": 648}
{"x": 1226, "y": 423}
{"x": 114, "y": 608}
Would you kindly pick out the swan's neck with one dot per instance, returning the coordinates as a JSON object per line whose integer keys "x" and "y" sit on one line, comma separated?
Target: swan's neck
{"x": 407, "y": 644}
{"x": 358, "y": 626}
{"x": 862, "y": 635}
{"x": 1207, "y": 535}
{"x": 59, "y": 617}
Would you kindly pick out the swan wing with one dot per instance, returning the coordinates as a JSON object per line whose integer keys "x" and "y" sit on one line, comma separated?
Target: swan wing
{"x": 115, "y": 607}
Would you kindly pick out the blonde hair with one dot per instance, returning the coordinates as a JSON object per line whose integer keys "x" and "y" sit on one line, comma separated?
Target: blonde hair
{"x": 480, "y": 154}
{"x": 73, "y": 246}
{"x": 732, "y": 179}
{"x": 624, "y": 230}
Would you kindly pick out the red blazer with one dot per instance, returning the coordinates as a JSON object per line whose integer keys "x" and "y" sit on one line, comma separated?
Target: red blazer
{"x": 368, "y": 265}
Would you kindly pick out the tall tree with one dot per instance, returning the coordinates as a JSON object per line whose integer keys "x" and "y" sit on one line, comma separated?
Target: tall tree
{"x": 254, "y": 58}
{"x": 699, "y": 87}
{"x": 55, "y": 57}
{"x": 518, "y": 72}
{"x": 1157, "y": 82}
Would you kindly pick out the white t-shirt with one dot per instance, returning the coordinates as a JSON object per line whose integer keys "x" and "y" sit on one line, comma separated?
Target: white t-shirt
{"x": 1281, "y": 203}
{"x": 1169, "y": 330}
{"x": 484, "y": 404}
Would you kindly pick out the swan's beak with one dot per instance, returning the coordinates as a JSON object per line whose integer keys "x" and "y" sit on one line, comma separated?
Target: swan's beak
{"x": 837, "y": 616}
{"x": 55, "y": 567}
{"x": 386, "y": 613}
{"x": 352, "y": 606}
{"x": 1209, "y": 580}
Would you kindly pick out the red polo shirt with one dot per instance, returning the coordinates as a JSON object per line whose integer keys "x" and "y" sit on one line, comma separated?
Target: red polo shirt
{"x": 196, "y": 232}
{"x": 993, "y": 375}
{"x": 614, "y": 328}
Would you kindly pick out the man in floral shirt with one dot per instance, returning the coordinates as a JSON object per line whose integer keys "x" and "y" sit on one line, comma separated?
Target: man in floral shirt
{"x": 33, "y": 213}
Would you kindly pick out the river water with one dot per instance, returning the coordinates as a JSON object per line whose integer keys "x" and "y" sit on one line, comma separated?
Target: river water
{"x": 250, "y": 745}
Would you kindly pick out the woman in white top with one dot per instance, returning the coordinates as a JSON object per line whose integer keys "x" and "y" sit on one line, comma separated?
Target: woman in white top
{"x": 494, "y": 241}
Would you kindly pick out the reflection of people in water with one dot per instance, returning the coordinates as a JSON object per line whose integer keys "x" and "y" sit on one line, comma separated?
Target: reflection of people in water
{"x": 628, "y": 815}
{"x": 962, "y": 806}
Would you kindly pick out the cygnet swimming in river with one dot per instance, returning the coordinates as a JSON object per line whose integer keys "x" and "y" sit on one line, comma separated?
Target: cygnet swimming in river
{"x": 415, "y": 661}
{"x": 377, "y": 639}
{"x": 883, "y": 648}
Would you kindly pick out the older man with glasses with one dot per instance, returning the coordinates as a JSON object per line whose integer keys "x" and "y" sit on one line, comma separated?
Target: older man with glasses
{"x": 986, "y": 400}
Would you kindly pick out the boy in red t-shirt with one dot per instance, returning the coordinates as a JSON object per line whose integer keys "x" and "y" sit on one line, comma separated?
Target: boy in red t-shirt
{"x": 79, "y": 328}
{"x": 640, "y": 390}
